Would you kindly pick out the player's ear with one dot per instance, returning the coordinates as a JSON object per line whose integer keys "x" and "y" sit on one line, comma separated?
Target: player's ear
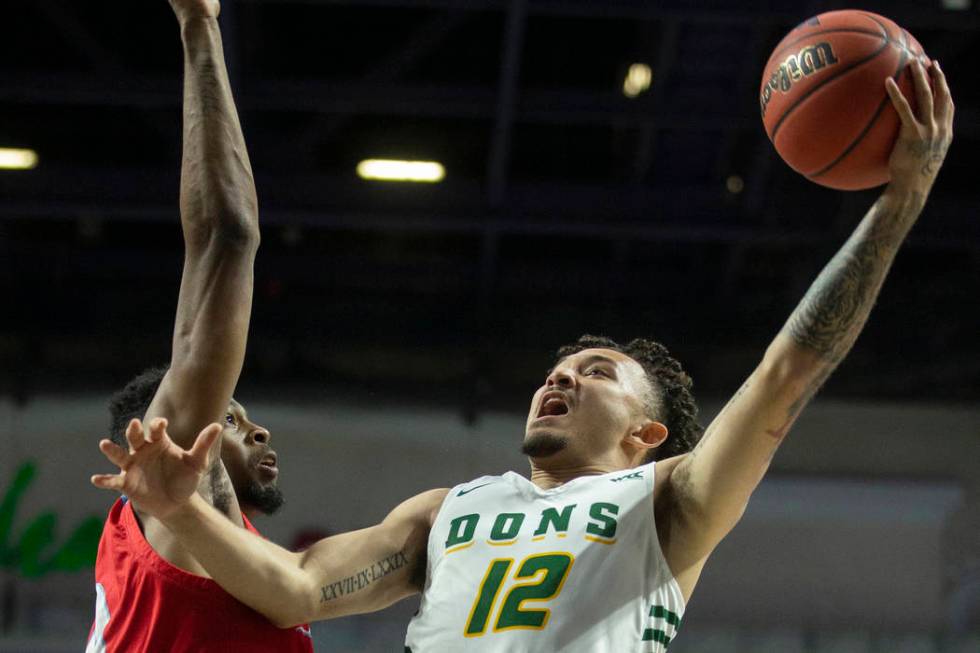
{"x": 648, "y": 435}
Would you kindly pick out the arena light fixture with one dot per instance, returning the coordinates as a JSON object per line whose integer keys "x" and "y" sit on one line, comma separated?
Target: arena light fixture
{"x": 735, "y": 184}
{"x": 394, "y": 170}
{"x": 637, "y": 80}
{"x": 17, "y": 159}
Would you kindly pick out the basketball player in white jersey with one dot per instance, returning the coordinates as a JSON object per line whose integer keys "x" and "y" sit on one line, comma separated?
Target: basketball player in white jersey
{"x": 600, "y": 550}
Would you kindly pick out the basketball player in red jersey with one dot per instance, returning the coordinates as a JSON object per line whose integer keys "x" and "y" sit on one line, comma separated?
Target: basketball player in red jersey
{"x": 246, "y": 452}
{"x": 599, "y": 412}
{"x": 152, "y": 595}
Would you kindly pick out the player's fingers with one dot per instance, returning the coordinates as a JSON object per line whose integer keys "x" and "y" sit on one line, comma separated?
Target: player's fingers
{"x": 108, "y": 481}
{"x": 923, "y": 92}
{"x": 116, "y": 454}
{"x": 202, "y": 445}
{"x": 158, "y": 427}
{"x": 134, "y": 434}
{"x": 944, "y": 99}
{"x": 900, "y": 103}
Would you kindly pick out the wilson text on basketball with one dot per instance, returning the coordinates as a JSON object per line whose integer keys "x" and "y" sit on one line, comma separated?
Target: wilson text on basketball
{"x": 795, "y": 67}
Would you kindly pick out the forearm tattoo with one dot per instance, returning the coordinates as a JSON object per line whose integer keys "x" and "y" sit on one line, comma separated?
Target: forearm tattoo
{"x": 833, "y": 306}
{"x": 363, "y": 578}
{"x": 837, "y": 305}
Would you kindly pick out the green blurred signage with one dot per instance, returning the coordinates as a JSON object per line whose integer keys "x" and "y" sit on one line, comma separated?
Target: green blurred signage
{"x": 34, "y": 553}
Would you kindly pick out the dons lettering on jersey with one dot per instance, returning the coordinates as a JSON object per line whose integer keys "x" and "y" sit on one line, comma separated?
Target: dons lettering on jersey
{"x": 509, "y": 527}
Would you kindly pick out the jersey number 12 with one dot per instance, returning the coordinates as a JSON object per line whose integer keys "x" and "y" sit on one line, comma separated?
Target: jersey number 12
{"x": 538, "y": 577}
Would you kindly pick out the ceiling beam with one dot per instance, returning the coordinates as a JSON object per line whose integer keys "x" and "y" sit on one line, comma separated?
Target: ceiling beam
{"x": 510, "y": 67}
{"x": 477, "y": 222}
{"x": 537, "y": 106}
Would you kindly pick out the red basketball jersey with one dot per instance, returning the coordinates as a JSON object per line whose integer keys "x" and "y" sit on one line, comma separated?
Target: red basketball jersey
{"x": 145, "y": 604}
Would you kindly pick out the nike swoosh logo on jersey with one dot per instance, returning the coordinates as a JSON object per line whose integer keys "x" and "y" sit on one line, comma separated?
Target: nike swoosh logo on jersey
{"x": 470, "y": 489}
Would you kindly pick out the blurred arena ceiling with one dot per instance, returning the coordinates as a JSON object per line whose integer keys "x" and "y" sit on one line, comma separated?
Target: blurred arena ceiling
{"x": 567, "y": 207}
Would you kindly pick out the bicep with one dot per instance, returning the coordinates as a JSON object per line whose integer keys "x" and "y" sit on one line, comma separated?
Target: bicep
{"x": 711, "y": 486}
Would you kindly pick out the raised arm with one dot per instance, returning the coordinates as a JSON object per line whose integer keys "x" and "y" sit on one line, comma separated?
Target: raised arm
{"x": 219, "y": 216}
{"x": 355, "y": 572}
{"x": 709, "y": 488}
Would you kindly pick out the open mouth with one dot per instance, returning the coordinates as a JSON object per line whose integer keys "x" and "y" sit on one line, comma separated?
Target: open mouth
{"x": 553, "y": 404}
{"x": 269, "y": 464}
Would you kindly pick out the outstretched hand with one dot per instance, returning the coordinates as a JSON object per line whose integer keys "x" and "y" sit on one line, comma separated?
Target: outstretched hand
{"x": 155, "y": 473}
{"x": 926, "y": 133}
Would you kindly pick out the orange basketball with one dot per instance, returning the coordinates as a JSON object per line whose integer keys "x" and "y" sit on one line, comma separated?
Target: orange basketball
{"x": 823, "y": 97}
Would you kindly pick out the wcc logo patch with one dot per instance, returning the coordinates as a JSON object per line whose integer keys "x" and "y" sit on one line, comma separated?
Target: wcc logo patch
{"x": 634, "y": 475}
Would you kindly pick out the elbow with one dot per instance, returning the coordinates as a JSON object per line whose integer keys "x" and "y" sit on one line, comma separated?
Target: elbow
{"x": 783, "y": 361}
{"x": 237, "y": 232}
{"x": 288, "y": 616}
{"x": 297, "y": 607}
{"x": 231, "y": 230}
{"x": 790, "y": 369}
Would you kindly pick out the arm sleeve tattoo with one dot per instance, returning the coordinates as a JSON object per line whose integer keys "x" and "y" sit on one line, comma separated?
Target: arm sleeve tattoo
{"x": 833, "y": 311}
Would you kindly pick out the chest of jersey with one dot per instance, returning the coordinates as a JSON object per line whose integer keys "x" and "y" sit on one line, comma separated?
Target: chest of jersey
{"x": 145, "y": 605}
{"x": 513, "y": 567}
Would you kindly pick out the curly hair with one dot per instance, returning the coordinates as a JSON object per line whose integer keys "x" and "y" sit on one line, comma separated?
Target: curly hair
{"x": 672, "y": 403}
{"x": 133, "y": 401}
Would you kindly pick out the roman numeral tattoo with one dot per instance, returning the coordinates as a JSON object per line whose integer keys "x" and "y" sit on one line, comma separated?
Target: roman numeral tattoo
{"x": 363, "y": 578}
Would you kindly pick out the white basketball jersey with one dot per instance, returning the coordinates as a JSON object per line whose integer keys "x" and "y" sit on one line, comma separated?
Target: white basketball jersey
{"x": 576, "y": 568}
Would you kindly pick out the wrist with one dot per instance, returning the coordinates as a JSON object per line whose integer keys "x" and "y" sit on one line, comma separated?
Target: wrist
{"x": 184, "y": 513}
{"x": 196, "y": 23}
{"x": 900, "y": 206}
{"x": 904, "y": 196}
